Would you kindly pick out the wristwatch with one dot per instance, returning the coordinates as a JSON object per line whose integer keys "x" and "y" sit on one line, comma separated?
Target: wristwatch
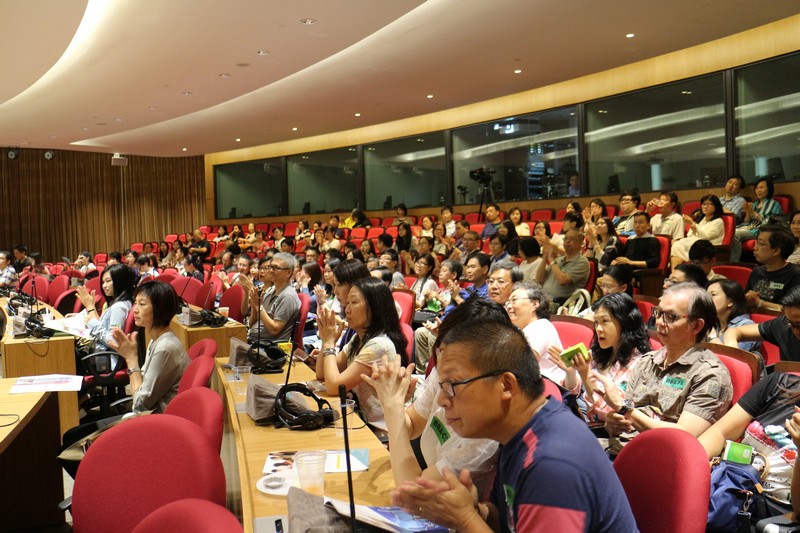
{"x": 130, "y": 371}
{"x": 627, "y": 405}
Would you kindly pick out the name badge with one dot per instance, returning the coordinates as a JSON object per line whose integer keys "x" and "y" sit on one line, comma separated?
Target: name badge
{"x": 674, "y": 383}
{"x": 776, "y": 285}
{"x": 440, "y": 430}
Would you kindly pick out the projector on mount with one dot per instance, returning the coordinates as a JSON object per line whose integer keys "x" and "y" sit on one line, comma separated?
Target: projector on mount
{"x": 119, "y": 161}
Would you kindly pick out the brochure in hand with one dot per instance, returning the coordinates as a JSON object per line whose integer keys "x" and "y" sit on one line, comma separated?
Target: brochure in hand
{"x": 387, "y": 518}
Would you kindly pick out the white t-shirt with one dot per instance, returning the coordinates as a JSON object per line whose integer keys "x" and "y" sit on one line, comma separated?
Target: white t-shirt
{"x": 373, "y": 350}
{"x": 541, "y": 334}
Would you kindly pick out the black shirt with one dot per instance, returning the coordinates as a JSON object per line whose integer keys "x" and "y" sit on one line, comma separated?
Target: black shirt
{"x": 645, "y": 249}
{"x": 773, "y": 286}
{"x": 778, "y": 332}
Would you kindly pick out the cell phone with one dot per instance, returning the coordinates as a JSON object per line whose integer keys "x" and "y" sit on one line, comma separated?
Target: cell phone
{"x": 569, "y": 354}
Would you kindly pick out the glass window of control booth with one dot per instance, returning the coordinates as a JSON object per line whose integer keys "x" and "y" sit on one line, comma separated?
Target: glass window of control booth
{"x": 768, "y": 119}
{"x": 667, "y": 137}
{"x": 249, "y": 189}
{"x": 324, "y": 181}
{"x": 409, "y": 171}
{"x": 517, "y": 158}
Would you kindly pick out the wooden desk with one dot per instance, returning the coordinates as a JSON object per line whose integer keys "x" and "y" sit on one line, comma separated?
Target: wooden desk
{"x": 31, "y": 483}
{"x": 189, "y": 335}
{"x": 35, "y": 357}
{"x": 245, "y": 448}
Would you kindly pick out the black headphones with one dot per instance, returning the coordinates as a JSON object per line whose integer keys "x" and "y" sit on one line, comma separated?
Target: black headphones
{"x": 35, "y": 326}
{"x": 266, "y": 357}
{"x": 213, "y": 319}
{"x": 20, "y": 300}
{"x": 304, "y": 419}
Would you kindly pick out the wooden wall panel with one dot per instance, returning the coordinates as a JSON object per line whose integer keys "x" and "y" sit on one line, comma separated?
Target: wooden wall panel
{"x": 78, "y": 201}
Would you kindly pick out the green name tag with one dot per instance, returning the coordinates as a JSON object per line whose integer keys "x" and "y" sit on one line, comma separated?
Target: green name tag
{"x": 510, "y": 494}
{"x": 674, "y": 383}
{"x": 440, "y": 430}
{"x": 776, "y": 285}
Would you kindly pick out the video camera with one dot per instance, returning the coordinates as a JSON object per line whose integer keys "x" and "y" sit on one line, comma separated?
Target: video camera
{"x": 482, "y": 176}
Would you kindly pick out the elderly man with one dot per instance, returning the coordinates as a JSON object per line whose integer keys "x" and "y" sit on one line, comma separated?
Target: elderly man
{"x": 560, "y": 276}
{"x": 681, "y": 385}
{"x": 502, "y": 277}
{"x": 279, "y": 309}
{"x": 551, "y": 473}
{"x": 783, "y": 331}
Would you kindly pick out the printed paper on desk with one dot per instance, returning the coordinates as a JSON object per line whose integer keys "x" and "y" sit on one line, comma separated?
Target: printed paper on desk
{"x": 74, "y": 325}
{"x": 335, "y": 462}
{"x": 47, "y": 383}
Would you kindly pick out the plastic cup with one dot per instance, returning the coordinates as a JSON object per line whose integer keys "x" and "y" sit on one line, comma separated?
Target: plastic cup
{"x": 239, "y": 381}
{"x": 224, "y": 311}
{"x": 338, "y": 422}
{"x": 311, "y": 470}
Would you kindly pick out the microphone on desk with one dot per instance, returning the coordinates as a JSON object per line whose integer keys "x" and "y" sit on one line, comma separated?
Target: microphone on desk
{"x": 343, "y": 404}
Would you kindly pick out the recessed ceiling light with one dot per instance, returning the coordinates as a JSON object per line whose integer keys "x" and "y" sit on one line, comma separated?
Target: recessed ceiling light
{"x": 118, "y": 119}
{"x": 420, "y": 140}
{"x": 630, "y": 35}
{"x": 186, "y": 93}
{"x": 238, "y": 140}
{"x": 358, "y": 114}
{"x": 430, "y": 96}
{"x": 518, "y": 71}
{"x": 184, "y": 149}
{"x": 686, "y": 92}
{"x": 308, "y": 21}
{"x": 151, "y": 108}
{"x": 294, "y": 129}
{"x": 224, "y": 75}
{"x": 52, "y": 136}
{"x": 602, "y": 111}
{"x": 262, "y": 53}
{"x": 85, "y": 129}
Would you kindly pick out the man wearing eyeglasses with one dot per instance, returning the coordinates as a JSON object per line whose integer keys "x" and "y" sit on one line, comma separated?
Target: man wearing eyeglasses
{"x": 775, "y": 277}
{"x": 470, "y": 245}
{"x": 551, "y": 475}
{"x": 502, "y": 277}
{"x": 681, "y": 385}
{"x": 628, "y": 206}
{"x": 279, "y": 309}
{"x": 782, "y": 331}
{"x": 560, "y": 276}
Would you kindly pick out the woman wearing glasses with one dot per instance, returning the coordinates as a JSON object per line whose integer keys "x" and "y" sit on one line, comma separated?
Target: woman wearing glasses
{"x": 371, "y": 313}
{"x": 709, "y": 227}
{"x": 529, "y": 310}
{"x": 425, "y": 283}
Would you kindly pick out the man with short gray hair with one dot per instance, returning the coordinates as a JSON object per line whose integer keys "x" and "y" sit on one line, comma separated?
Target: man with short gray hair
{"x": 681, "y": 385}
{"x": 280, "y": 305}
{"x": 502, "y": 277}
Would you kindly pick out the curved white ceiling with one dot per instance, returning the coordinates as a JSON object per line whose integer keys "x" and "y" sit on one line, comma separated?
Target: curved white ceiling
{"x": 118, "y": 87}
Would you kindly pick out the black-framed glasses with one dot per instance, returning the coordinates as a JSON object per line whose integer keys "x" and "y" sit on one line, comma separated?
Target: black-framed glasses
{"x": 668, "y": 316}
{"x": 273, "y": 268}
{"x": 793, "y": 325}
{"x": 500, "y": 282}
{"x": 449, "y": 387}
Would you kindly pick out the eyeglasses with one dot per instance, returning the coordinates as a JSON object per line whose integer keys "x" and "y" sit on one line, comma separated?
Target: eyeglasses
{"x": 500, "y": 282}
{"x": 793, "y": 325}
{"x": 668, "y": 316}
{"x": 512, "y": 301}
{"x": 626, "y": 200}
{"x": 273, "y": 268}
{"x": 669, "y": 282}
{"x": 449, "y": 387}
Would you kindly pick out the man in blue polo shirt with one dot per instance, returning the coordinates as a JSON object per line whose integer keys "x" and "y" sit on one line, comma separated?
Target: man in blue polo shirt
{"x": 552, "y": 475}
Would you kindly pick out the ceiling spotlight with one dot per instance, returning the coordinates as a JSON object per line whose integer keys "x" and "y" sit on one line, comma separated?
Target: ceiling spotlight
{"x": 358, "y": 114}
{"x": 225, "y": 75}
{"x": 294, "y": 129}
{"x": 308, "y": 22}
{"x": 184, "y": 149}
{"x": 518, "y": 71}
{"x": 262, "y": 53}
{"x": 429, "y": 96}
{"x": 686, "y": 92}
{"x": 186, "y": 93}
{"x": 238, "y": 140}
{"x": 630, "y": 35}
